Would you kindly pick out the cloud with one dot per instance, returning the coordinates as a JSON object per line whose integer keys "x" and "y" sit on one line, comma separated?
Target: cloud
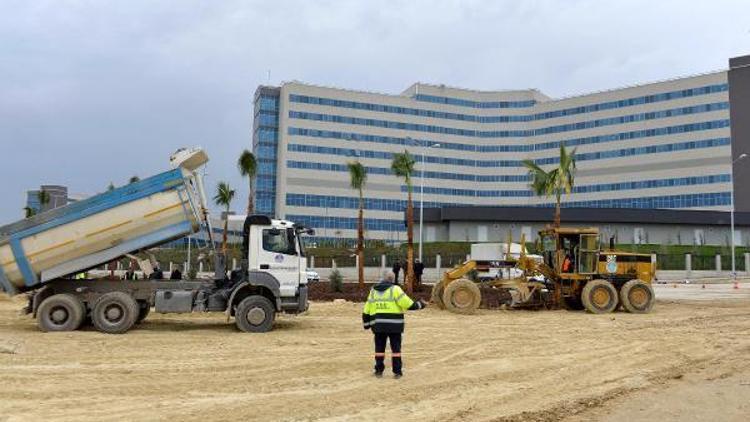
{"x": 93, "y": 92}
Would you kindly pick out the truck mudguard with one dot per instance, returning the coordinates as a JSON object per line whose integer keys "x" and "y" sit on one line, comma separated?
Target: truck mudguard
{"x": 260, "y": 279}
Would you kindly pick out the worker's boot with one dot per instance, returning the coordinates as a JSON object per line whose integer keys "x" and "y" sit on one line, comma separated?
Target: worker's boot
{"x": 396, "y": 364}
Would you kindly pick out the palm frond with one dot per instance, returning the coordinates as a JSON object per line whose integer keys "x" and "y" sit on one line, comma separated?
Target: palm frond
{"x": 224, "y": 194}
{"x": 247, "y": 164}
{"x": 357, "y": 174}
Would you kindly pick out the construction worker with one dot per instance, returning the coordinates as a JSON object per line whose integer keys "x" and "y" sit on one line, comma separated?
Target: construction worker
{"x": 396, "y": 269}
{"x": 384, "y": 315}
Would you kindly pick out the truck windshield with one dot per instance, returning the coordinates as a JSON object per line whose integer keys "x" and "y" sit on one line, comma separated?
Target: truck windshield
{"x": 279, "y": 241}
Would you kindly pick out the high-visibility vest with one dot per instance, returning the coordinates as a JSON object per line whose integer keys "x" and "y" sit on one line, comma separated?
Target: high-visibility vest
{"x": 384, "y": 310}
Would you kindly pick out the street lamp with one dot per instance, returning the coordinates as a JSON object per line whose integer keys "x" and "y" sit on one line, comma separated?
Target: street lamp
{"x": 731, "y": 217}
{"x": 421, "y": 199}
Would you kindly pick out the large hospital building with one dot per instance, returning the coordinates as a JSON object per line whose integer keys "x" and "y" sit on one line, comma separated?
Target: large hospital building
{"x": 663, "y": 145}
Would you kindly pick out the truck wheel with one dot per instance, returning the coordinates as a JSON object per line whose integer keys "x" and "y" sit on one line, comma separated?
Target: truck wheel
{"x": 114, "y": 313}
{"x": 144, "y": 308}
{"x": 462, "y": 296}
{"x": 599, "y": 297}
{"x": 437, "y": 294}
{"x": 255, "y": 314}
{"x": 637, "y": 297}
{"x": 60, "y": 312}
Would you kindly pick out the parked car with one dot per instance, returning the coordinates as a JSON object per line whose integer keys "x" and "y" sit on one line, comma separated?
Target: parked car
{"x": 312, "y": 275}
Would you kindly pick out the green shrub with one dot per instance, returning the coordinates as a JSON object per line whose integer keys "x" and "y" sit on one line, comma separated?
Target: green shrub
{"x": 337, "y": 281}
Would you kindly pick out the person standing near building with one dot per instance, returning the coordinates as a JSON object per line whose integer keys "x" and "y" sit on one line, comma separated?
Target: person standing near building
{"x": 396, "y": 269}
{"x": 418, "y": 271}
{"x": 384, "y": 315}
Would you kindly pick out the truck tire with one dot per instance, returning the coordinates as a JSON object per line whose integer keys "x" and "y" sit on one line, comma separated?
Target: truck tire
{"x": 114, "y": 312}
{"x": 599, "y": 297}
{"x": 60, "y": 312}
{"x": 436, "y": 296}
{"x": 637, "y": 297}
{"x": 255, "y": 314}
{"x": 462, "y": 297}
{"x": 144, "y": 308}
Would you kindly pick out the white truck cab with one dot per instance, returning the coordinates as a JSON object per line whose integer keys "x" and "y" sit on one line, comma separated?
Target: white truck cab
{"x": 275, "y": 247}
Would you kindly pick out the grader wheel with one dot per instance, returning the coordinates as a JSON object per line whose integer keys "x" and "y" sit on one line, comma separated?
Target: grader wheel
{"x": 599, "y": 297}
{"x": 462, "y": 297}
{"x": 637, "y": 297}
{"x": 437, "y": 294}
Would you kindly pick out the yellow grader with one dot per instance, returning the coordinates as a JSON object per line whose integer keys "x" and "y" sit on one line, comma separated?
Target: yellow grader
{"x": 574, "y": 271}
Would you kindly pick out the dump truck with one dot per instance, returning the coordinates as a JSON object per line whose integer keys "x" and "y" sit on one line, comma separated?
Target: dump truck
{"x": 44, "y": 257}
{"x": 575, "y": 272}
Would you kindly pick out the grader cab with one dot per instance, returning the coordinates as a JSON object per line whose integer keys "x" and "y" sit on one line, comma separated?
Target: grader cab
{"x": 574, "y": 271}
{"x": 587, "y": 277}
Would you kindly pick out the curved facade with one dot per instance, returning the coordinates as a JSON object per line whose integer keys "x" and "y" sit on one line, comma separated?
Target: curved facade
{"x": 660, "y": 145}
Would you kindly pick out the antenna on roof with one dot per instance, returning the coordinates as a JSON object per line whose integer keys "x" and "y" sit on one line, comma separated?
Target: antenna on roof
{"x": 268, "y": 81}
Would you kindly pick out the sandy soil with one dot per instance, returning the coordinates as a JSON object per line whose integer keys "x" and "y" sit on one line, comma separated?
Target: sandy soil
{"x": 497, "y": 365}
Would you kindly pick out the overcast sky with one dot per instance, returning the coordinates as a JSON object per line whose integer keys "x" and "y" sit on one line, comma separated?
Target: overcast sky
{"x": 97, "y": 91}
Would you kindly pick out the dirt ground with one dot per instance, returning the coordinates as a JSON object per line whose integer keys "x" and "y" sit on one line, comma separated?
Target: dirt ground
{"x": 688, "y": 360}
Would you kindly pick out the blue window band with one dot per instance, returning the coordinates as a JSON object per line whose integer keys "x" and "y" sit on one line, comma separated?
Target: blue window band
{"x": 384, "y": 108}
{"x": 590, "y": 124}
{"x": 310, "y": 200}
{"x": 600, "y": 155}
{"x": 647, "y": 99}
{"x": 407, "y": 142}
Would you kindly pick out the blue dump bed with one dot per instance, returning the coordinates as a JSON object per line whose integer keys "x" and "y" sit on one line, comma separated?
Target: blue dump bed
{"x": 94, "y": 231}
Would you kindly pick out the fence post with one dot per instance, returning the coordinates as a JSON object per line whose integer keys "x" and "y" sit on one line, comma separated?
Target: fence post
{"x": 747, "y": 262}
{"x": 438, "y": 264}
{"x": 688, "y": 265}
{"x": 200, "y": 267}
{"x": 718, "y": 263}
{"x": 312, "y": 261}
{"x": 234, "y": 263}
{"x": 170, "y": 267}
{"x": 333, "y": 264}
{"x": 187, "y": 270}
{"x": 382, "y": 263}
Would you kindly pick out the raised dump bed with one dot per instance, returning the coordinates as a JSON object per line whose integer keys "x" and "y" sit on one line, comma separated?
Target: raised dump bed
{"x": 88, "y": 233}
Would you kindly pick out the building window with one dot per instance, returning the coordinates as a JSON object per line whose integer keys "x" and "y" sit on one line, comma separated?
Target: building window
{"x": 639, "y": 236}
{"x": 699, "y": 237}
{"x": 482, "y": 233}
{"x": 431, "y": 234}
{"x": 527, "y": 234}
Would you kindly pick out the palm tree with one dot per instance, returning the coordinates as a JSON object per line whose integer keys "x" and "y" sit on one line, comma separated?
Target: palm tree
{"x": 358, "y": 176}
{"x": 223, "y": 197}
{"x": 403, "y": 166}
{"x": 29, "y": 212}
{"x": 43, "y": 198}
{"x": 556, "y": 181}
{"x": 134, "y": 179}
{"x": 248, "y": 167}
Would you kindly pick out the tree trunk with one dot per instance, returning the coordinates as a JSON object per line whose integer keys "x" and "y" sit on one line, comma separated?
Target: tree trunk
{"x": 360, "y": 242}
{"x": 224, "y": 235}
{"x": 251, "y": 199}
{"x": 409, "y": 242}
{"x": 557, "y": 212}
